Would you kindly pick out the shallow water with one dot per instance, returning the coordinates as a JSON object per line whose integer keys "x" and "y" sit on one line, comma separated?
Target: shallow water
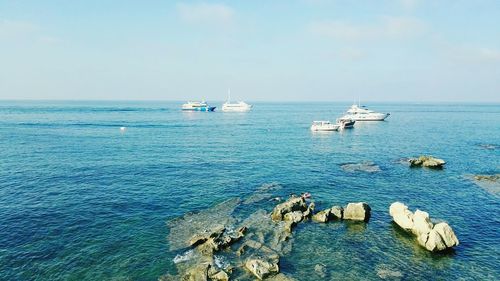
{"x": 81, "y": 200}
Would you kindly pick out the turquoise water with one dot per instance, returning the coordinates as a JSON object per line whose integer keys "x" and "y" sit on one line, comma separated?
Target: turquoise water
{"x": 80, "y": 200}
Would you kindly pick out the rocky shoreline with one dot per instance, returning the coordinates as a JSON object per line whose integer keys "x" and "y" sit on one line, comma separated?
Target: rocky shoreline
{"x": 253, "y": 247}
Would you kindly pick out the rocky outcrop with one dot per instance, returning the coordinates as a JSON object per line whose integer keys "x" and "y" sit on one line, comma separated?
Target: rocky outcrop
{"x": 333, "y": 213}
{"x": 426, "y": 161}
{"x": 261, "y": 268}
{"x": 322, "y": 216}
{"x": 257, "y": 243}
{"x": 432, "y": 237}
{"x": 218, "y": 238}
{"x": 336, "y": 212}
{"x": 357, "y": 211}
{"x": 291, "y": 205}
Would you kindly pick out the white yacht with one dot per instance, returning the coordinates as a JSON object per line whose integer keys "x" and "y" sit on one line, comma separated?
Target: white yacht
{"x": 324, "y": 126}
{"x": 197, "y": 106}
{"x": 235, "y": 107}
{"x": 361, "y": 113}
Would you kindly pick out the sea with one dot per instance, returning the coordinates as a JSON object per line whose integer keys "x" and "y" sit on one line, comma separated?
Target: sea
{"x": 82, "y": 198}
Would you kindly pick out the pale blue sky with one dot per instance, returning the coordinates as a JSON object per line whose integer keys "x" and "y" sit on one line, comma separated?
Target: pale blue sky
{"x": 387, "y": 50}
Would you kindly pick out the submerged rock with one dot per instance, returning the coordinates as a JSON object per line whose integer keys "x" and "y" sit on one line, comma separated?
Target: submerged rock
{"x": 190, "y": 224}
{"x": 433, "y": 237}
{"x": 490, "y": 183}
{"x": 367, "y": 166}
{"x": 320, "y": 270}
{"x": 489, "y": 146}
{"x": 385, "y": 272}
{"x": 357, "y": 211}
{"x": 426, "y": 161}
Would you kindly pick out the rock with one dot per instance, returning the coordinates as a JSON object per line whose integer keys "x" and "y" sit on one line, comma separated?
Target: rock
{"x": 432, "y": 241}
{"x": 320, "y": 270}
{"x": 308, "y": 213}
{"x": 197, "y": 273}
{"x": 401, "y": 215}
{"x": 433, "y": 237}
{"x": 492, "y": 178}
{"x": 321, "y": 216}
{"x": 367, "y": 166}
{"x": 387, "y": 273}
{"x": 280, "y": 277}
{"x": 292, "y": 204}
{"x": 426, "y": 161}
{"x": 490, "y": 183}
{"x": 294, "y": 217}
{"x": 336, "y": 212}
{"x": 202, "y": 237}
{"x": 447, "y": 234}
{"x": 357, "y": 211}
{"x": 220, "y": 276}
{"x": 421, "y": 223}
{"x": 261, "y": 268}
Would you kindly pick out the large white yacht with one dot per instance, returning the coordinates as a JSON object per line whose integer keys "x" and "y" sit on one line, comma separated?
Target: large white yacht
{"x": 361, "y": 113}
{"x": 235, "y": 107}
{"x": 197, "y": 106}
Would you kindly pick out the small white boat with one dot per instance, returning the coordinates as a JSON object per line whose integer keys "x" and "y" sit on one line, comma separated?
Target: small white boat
{"x": 361, "y": 113}
{"x": 197, "y": 106}
{"x": 235, "y": 107}
{"x": 345, "y": 123}
{"x": 324, "y": 126}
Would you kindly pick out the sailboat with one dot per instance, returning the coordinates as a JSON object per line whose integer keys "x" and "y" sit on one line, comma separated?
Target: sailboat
{"x": 235, "y": 107}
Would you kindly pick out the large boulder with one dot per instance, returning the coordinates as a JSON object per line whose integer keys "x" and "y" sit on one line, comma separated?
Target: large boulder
{"x": 432, "y": 237}
{"x": 261, "y": 268}
{"x": 336, "y": 212}
{"x": 426, "y": 161}
{"x": 357, "y": 211}
{"x": 321, "y": 216}
{"x": 421, "y": 223}
{"x": 447, "y": 234}
{"x": 291, "y": 205}
{"x": 432, "y": 241}
{"x": 401, "y": 215}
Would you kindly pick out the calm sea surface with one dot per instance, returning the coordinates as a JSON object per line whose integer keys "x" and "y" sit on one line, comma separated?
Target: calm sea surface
{"x": 79, "y": 200}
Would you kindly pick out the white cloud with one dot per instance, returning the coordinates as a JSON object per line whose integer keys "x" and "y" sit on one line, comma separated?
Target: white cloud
{"x": 205, "y": 13}
{"x": 386, "y": 27}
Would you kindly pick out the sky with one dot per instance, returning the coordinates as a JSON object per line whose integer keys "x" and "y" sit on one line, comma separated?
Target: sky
{"x": 264, "y": 50}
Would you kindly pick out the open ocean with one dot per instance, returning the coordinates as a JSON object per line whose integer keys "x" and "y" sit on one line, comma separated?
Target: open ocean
{"x": 80, "y": 200}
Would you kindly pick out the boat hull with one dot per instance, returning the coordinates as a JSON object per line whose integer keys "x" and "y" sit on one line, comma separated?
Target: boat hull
{"x": 372, "y": 117}
{"x": 206, "y": 109}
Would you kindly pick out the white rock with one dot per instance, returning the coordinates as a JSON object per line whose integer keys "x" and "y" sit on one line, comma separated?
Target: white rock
{"x": 421, "y": 223}
{"x": 357, "y": 211}
{"x": 401, "y": 215}
{"x": 447, "y": 234}
{"x": 432, "y": 241}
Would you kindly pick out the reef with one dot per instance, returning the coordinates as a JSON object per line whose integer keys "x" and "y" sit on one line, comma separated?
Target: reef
{"x": 217, "y": 246}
